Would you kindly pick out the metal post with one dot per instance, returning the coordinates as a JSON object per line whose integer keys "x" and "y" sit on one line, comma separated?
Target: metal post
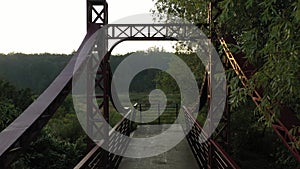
{"x": 158, "y": 112}
{"x": 140, "y": 108}
{"x": 89, "y": 106}
{"x": 209, "y": 19}
{"x": 210, "y": 156}
{"x": 96, "y": 19}
{"x": 227, "y": 121}
{"x": 133, "y": 116}
{"x": 176, "y": 110}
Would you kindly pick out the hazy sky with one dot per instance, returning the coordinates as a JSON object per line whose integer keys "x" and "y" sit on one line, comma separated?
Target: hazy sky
{"x": 56, "y": 26}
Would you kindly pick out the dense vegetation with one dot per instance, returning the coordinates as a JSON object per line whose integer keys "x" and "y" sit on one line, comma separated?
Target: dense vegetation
{"x": 268, "y": 33}
{"x": 61, "y": 143}
{"x": 34, "y": 71}
{"x": 37, "y": 71}
{"x": 22, "y": 78}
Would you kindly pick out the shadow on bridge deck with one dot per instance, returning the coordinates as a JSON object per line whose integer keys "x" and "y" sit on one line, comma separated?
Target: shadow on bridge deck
{"x": 179, "y": 157}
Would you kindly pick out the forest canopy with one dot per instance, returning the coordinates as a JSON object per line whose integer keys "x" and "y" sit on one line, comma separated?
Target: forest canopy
{"x": 267, "y": 32}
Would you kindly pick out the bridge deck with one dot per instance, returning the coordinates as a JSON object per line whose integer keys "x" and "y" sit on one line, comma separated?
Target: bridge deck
{"x": 177, "y": 158}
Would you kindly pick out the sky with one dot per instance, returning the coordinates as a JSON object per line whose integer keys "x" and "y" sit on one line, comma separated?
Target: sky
{"x": 59, "y": 26}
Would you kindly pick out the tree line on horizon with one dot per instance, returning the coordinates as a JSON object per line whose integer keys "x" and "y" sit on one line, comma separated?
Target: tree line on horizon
{"x": 266, "y": 31}
{"x": 62, "y": 142}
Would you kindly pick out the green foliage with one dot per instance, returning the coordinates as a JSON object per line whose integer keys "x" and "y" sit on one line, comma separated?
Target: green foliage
{"x": 61, "y": 143}
{"x": 268, "y": 33}
{"x": 20, "y": 70}
{"x": 269, "y": 36}
{"x": 21, "y": 98}
{"x": 294, "y": 131}
{"x": 144, "y": 81}
{"x": 238, "y": 94}
{"x": 49, "y": 152}
{"x": 8, "y": 113}
{"x": 114, "y": 116}
{"x": 166, "y": 82}
{"x": 12, "y": 103}
{"x": 64, "y": 124}
{"x": 35, "y": 71}
{"x": 192, "y": 10}
{"x": 283, "y": 160}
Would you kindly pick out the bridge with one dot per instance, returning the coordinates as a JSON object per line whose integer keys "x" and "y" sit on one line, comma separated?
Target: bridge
{"x": 16, "y": 138}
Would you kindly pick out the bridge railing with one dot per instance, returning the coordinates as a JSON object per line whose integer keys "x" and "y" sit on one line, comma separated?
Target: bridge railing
{"x": 207, "y": 152}
{"x": 100, "y": 158}
{"x": 166, "y": 116}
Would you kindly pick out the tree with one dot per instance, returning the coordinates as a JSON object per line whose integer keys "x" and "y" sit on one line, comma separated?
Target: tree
{"x": 267, "y": 32}
{"x": 61, "y": 142}
{"x": 50, "y": 152}
{"x": 8, "y": 112}
{"x": 12, "y": 102}
{"x": 166, "y": 82}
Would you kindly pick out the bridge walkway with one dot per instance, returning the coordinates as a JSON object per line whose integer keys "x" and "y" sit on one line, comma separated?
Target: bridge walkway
{"x": 179, "y": 157}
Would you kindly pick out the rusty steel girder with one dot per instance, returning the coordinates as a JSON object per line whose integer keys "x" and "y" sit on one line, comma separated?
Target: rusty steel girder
{"x": 287, "y": 119}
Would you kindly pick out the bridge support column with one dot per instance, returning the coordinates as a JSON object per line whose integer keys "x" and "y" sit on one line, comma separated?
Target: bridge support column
{"x": 97, "y": 17}
{"x": 222, "y": 132}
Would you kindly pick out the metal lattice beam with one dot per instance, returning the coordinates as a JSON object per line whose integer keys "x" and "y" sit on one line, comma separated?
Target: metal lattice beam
{"x": 143, "y": 31}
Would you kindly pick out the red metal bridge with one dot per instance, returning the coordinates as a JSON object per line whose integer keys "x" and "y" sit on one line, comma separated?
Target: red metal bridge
{"x": 210, "y": 154}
